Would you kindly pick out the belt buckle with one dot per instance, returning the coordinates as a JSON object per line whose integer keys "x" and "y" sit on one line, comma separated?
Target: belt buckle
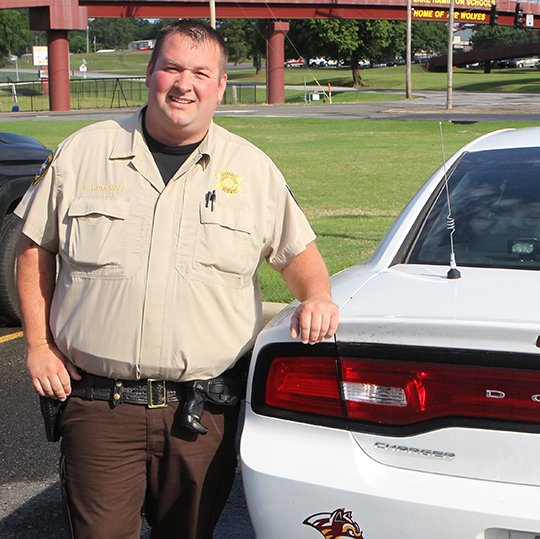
{"x": 149, "y": 398}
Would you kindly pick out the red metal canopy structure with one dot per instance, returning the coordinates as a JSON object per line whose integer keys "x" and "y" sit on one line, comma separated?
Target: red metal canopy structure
{"x": 58, "y": 16}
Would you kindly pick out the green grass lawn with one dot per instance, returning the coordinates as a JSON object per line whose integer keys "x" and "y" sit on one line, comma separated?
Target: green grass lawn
{"x": 351, "y": 177}
{"x": 121, "y": 62}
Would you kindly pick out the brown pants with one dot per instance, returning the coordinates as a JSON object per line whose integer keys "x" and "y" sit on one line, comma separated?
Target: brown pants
{"x": 115, "y": 460}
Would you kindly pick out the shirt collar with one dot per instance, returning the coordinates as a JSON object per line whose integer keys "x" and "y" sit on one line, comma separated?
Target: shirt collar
{"x": 130, "y": 138}
{"x": 204, "y": 150}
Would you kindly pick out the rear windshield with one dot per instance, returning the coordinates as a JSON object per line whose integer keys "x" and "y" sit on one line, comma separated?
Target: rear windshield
{"x": 495, "y": 202}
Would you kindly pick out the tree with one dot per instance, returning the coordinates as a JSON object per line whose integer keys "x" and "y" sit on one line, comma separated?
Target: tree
{"x": 113, "y": 33}
{"x": 234, "y": 33}
{"x": 377, "y": 41}
{"x": 117, "y": 33}
{"x": 429, "y": 37}
{"x": 257, "y": 43}
{"x": 488, "y": 37}
{"x": 337, "y": 38}
{"x": 244, "y": 39}
{"x": 426, "y": 36}
{"x": 39, "y": 38}
{"x": 77, "y": 41}
{"x": 15, "y": 36}
{"x": 144, "y": 29}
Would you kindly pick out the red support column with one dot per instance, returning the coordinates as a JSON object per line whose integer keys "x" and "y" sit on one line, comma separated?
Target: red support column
{"x": 57, "y": 41}
{"x": 275, "y": 59}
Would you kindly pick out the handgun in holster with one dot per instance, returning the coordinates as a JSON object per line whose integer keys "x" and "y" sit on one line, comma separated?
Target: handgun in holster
{"x": 227, "y": 389}
{"x": 51, "y": 410}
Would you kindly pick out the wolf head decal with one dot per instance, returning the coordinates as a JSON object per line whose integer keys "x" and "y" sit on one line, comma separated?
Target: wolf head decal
{"x": 336, "y": 525}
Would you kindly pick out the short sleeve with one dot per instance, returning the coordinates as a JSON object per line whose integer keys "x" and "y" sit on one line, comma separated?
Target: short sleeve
{"x": 38, "y": 210}
{"x": 291, "y": 232}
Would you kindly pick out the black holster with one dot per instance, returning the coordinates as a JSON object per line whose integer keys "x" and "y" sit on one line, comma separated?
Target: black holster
{"x": 228, "y": 389}
{"x": 51, "y": 410}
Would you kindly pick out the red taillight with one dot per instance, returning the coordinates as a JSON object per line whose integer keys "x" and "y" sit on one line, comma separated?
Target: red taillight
{"x": 431, "y": 391}
{"x": 402, "y": 392}
{"x": 304, "y": 384}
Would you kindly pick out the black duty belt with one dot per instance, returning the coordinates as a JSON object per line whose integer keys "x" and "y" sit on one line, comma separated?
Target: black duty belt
{"x": 227, "y": 389}
{"x": 152, "y": 393}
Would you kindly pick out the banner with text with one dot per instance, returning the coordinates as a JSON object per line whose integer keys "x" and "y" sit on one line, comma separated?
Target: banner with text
{"x": 430, "y": 14}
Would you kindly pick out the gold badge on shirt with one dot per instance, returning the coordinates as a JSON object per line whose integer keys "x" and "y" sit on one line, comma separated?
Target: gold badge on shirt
{"x": 228, "y": 182}
{"x": 43, "y": 170}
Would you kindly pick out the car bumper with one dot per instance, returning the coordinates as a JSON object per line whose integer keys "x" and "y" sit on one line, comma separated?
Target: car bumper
{"x": 292, "y": 471}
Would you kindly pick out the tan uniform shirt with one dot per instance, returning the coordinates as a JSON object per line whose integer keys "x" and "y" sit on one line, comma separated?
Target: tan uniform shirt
{"x": 160, "y": 281}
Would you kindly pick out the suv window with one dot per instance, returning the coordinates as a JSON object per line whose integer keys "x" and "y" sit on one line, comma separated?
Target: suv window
{"x": 495, "y": 202}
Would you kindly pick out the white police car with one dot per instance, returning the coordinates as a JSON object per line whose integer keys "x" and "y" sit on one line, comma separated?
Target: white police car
{"x": 421, "y": 420}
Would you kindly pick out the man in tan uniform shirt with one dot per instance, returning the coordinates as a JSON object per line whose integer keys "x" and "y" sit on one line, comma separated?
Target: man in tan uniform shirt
{"x": 160, "y": 223}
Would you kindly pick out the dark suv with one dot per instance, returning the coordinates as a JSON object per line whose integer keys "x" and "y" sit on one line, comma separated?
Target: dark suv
{"x": 20, "y": 161}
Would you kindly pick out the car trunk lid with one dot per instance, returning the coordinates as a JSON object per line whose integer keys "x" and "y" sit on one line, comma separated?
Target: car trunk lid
{"x": 480, "y": 330}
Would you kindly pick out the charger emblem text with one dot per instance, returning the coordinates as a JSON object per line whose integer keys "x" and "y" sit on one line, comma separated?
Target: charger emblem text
{"x": 495, "y": 394}
{"x": 498, "y": 394}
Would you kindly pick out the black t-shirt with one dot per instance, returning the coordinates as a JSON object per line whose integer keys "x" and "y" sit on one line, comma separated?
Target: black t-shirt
{"x": 168, "y": 158}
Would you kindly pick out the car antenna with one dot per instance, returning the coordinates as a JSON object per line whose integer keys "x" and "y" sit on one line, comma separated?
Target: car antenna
{"x": 453, "y": 272}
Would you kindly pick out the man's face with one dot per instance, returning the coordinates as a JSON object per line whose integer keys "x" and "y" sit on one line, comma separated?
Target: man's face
{"x": 185, "y": 84}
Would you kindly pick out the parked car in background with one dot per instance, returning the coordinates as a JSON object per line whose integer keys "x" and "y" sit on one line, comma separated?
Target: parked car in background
{"x": 421, "y": 58}
{"x": 346, "y": 62}
{"x": 529, "y": 62}
{"x": 509, "y": 63}
{"x": 317, "y": 62}
{"x": 296, "y": 62}
{"x": 421, "y": 418}
{"x": 395, "y": 62}
{"x": 526, "y": 62}
{"x": 20, "y": 160}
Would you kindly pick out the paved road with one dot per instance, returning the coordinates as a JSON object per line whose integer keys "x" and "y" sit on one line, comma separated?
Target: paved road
{"x": 29, "y": 491}
{"x": 428, "y": 105}
{"x": 467, "y": 107}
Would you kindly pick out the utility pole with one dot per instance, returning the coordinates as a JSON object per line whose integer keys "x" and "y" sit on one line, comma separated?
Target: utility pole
{"x": 213, "y": 14}
{"x": 450, "y": 62}
{"x": 408, "y": 59}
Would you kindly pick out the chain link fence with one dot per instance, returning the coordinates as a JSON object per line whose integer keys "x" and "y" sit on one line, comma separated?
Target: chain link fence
{"x": 104, "y": 93}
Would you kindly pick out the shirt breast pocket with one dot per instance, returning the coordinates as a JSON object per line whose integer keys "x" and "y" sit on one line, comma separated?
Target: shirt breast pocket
{"x": 222, "y": 243}
{"x": 96, "y": 232}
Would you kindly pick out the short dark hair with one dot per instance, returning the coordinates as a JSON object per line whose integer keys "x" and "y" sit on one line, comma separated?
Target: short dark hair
{"x": 196, "y": 31}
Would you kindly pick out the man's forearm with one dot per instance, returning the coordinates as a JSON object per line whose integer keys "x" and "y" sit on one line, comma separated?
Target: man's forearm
{"x": 307, "y": 276}
{"x": 49, "y": 370}
{"x": 316, "y": 318}
{"x": 36, "y": 274}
